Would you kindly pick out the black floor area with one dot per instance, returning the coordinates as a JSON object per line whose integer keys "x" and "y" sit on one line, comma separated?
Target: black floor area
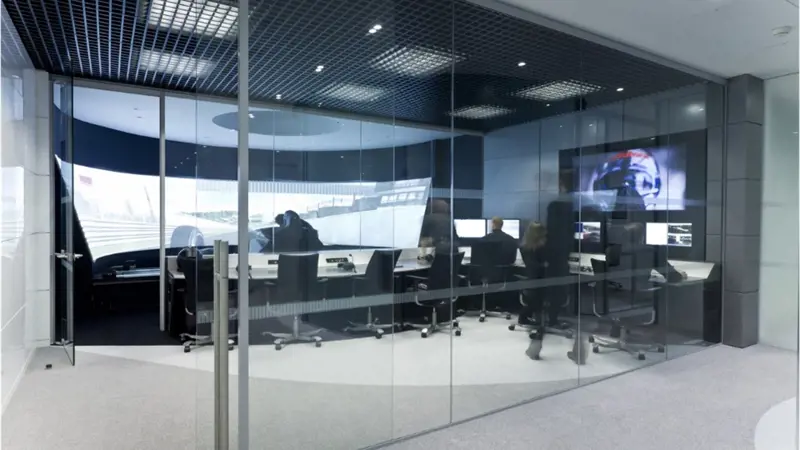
{"x": 121, "y": 328}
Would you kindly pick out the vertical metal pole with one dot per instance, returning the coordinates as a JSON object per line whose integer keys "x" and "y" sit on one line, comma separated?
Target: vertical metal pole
{"x": 162, "y": 220}
{"x": 221, "y": 344}
{"x": 243, "y": 262}
{"x": 215, "y": 340}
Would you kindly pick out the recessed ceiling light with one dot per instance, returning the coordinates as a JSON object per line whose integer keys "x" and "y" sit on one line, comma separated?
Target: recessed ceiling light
{"x": 372, "y": 31}
{"x": 377, "y": 26}
{"x": 521, "y": 64}
{"x": 252, "y": 116}
{"x": 558, "y": 90}
{"x": 415, "y": 61}
{"x": 205, "y": 17}
{"x": 696, "y": 108}
{"x": 591, "y": 124}
{"x": 619, "y": 89}
{"x": 547, "y": 105}
{"x": 319, "y": 68}
{"x": 480, "y": 112}
{"x": 353, "y": 92}
{"x": 278, "y": 97}
{"x": 170, "y": 63}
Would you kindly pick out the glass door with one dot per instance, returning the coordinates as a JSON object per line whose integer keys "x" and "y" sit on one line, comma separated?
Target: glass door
{"x": 64, "y": 248}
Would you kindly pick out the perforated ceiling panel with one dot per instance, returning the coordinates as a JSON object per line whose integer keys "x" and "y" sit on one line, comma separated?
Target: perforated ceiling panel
{"x": 429, "y": 61}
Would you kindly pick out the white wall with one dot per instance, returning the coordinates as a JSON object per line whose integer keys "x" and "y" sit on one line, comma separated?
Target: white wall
{"x": 779, "y": 216}
{"x": 24, "y": 179}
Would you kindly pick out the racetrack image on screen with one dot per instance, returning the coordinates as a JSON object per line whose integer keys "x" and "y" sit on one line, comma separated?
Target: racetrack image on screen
{"x": 636, "y": 179}
{"x": 119, "y": 212}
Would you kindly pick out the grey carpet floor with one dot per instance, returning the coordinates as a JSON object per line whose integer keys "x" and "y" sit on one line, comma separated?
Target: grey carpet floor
{"x": 115, "y": 403}
{"x": 708, "y": 400}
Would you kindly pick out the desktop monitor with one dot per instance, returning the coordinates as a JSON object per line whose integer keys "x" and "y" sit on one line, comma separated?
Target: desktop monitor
{"x": 470, "y": 228}
{"x": 656, "y": 233}
{"x": 510, "y": 226}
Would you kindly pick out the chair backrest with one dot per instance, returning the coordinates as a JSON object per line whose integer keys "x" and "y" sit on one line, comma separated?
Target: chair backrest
{"x": 297, "y": 278}
{"x": 380, "y": 271}
{"x": 199, "y": 273}
{"x": 486, "y": 261}
{"x": 441, "y": 274}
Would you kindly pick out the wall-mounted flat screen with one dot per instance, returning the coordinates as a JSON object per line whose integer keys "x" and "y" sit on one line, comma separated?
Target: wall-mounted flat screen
{"x": 637, "y": 179}
{"x": 470, "y": 228}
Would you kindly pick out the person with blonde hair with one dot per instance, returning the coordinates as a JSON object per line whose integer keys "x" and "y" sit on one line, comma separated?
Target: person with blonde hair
{"x": 533, "y": 250}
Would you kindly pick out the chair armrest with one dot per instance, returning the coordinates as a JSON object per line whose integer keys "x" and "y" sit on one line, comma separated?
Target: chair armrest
{"x": 520, "y": 277}
{"x": 417, "y": 277}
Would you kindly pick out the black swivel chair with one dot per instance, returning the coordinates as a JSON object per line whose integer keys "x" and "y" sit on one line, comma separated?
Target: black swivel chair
{"x": 441, "y": 278}
{"x": 297, "y": 283}
{"x": 199, "y": 300}
{"x": 377, "y": 280}
{"x": 487, "y": 270}
{"x": 630, "y": 276}
{"x": 536, "y": 269}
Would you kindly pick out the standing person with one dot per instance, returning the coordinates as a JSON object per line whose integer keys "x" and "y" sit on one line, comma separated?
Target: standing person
{"x": 560, "y": 228}
{"x": 533, "y": 254}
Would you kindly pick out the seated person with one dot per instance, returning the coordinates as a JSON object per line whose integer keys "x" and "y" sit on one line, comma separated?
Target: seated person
{"x": 296, "y": 235}
{"x": 506, "y": 243}
{"x": 438, "y": 230}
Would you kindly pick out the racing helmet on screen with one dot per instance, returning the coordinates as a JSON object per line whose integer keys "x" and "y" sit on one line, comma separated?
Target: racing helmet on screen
{"x": 634, "y": 173}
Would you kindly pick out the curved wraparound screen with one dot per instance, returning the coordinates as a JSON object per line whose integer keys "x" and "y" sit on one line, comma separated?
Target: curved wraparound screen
{"x": 119, "y": 212}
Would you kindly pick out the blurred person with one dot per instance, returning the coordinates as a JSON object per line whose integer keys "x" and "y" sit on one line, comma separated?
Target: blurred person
{"x": 296, "y": 235}
{"x": 438, "y": 230}
{"x": 532, "y": 248}
{"x": 560, "y": 228}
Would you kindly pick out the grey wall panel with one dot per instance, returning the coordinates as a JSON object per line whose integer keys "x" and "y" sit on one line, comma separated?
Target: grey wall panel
{"x": 740, "y": 319}
{"x": 559, "y": 133}
{"x": 612, "y": 122}
{"x": 517, "y": 205}
{"x": 743, "y": 207}
{"x": 745, "y": 151}
{"x": 714, "y": 220}
{"x": 742, "y": 256}
{"x": 715, "y": 105}
{"x": 641, "y": 118}
{"x": 517, "y": 141}
{"x": 511, "y": 174}
{"x": 746, "y": 99}
{"x": 714, "y": 248}
{"x": 715, "y": 142}
{"x": 714, "y": 193}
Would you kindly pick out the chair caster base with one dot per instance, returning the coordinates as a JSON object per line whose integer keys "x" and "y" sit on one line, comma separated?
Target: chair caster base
{"x": 458, "y": 332}
{"x": 187, "y": 349}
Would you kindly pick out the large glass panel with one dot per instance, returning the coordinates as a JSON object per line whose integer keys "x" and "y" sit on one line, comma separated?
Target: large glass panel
{"x": 349, "y": 144}
{"x": 65, "y": 255}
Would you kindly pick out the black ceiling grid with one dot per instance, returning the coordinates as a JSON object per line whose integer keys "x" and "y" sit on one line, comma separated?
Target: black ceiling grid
{"x": 368, "y": 74}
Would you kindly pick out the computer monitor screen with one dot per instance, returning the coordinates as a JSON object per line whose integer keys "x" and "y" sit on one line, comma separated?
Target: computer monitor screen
{"x": 510, "y": 227}
{"x": 118, "y": 212}
{"x": 679, "y": 235}
{"x": 470, "y": 228}
{"x": 656, "y": 233}
{"x": 651, "y": 179}
{"x": 587, "y": 231}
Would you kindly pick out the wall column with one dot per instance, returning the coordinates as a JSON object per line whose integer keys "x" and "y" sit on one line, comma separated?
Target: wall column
{"x": 741, "y": 215}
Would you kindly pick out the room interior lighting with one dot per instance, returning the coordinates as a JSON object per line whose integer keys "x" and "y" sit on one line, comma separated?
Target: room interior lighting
{"x": 480, "y": 112}
{"x": 372, "y": 31}
{"x": 319, "y": 69}
{"x": 377, "y": 27}
{"x": 278, "y": 97}
{"x": 415, "y": 61}
{"x": 619, "y": 89}
{"x": 558, "y": 90}
{"x": 353, "y": 92}
{"x": 173, "y": 64}
{"x": 521, "y": 64}
{"x": 252, "y": 116}
{"x": 203, "y": 17}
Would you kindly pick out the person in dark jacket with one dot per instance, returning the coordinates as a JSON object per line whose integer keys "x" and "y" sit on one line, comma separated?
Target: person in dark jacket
{"x": 507, "y": 245}
{"x": 438, "y": 230}
{"x": 296, "y": 235}
{"x": 560, "y": 239}
{"x": 532, "y": 249}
